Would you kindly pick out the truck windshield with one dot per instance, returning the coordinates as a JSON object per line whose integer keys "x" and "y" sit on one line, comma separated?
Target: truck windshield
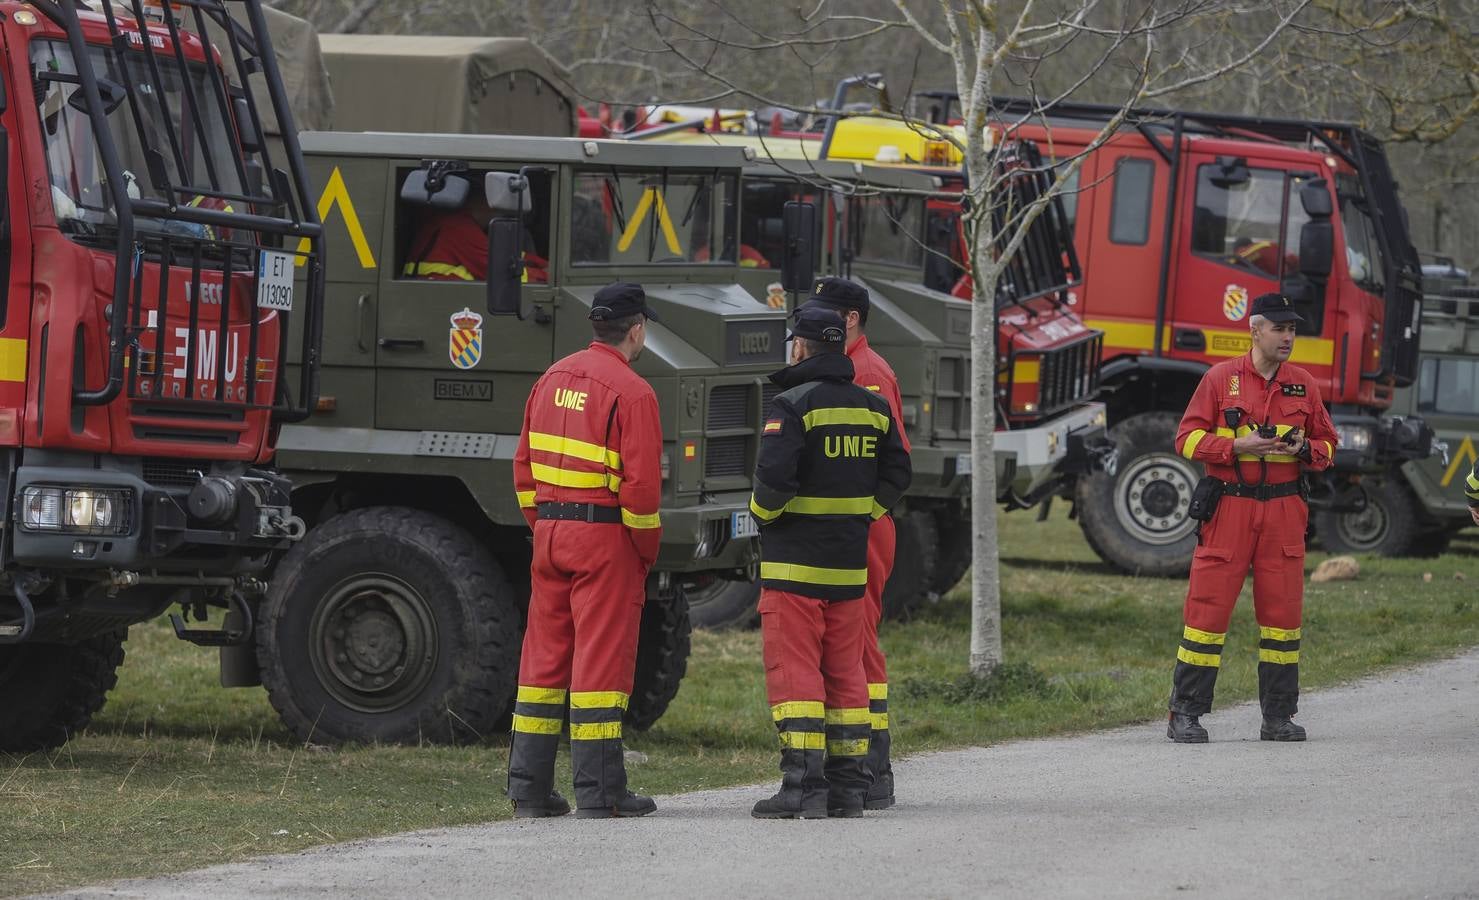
{"x": 1362, "y": 249}
{"x": 654, "y": 216}
{"x": 888, "y": 228}
{"x": 80, "y": 195}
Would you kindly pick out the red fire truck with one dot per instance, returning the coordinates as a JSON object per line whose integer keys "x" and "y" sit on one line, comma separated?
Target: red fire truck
{"x": 1180, "y": 220}
{"x": 148, "y": 251}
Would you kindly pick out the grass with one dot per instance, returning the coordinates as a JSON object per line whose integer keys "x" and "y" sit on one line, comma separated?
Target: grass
{"x": 177, "y": 773}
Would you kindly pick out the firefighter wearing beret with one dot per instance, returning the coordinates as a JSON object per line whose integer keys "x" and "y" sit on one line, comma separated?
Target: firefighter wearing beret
{"x": 871, "y": 371}
{"x": 832, "y": 461}
{"x": 1255, "y": 422}
{"x": 587, "y": 473}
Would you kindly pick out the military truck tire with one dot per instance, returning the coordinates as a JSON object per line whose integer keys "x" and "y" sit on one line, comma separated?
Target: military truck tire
{"x": 916, "y": 557}
{"x": 1388, "y": 526}
{"x": 718, "y": 604}
{"x": 49, "y": 692}
{"x": 663, "y": 644}
{"x": 1136, "y": 520}
{"x": 953, "y": 524}
{"x": 389, "y": 625}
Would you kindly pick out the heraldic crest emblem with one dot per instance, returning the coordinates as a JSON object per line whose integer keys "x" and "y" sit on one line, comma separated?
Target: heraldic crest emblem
{"x": 465, "y": 343}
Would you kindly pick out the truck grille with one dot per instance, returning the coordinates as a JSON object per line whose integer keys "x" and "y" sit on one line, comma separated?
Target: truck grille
{"x": 768, "y": 392}
{"x": 953, "y": 397}
{"x": 725, "y": 457}
{"x": 729, "y": 407}
{"x": 174, "y": 472}
{"x": 1069, "y": 374}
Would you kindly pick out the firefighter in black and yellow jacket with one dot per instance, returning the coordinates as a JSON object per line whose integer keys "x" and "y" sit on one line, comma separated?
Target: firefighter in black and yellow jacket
{"x": 1471, "y": 490}
{"x": 831, "y": 461}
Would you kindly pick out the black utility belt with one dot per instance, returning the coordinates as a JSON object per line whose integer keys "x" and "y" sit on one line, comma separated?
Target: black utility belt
{"x": 579, "y": 512}
{"x": 1262, "y": 491}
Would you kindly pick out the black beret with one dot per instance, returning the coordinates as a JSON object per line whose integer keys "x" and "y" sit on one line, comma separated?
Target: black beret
{"x": 840, "y": 292}
{"x": 817, "y": 323}
{"x": 619, "y": 300}
{"x": 1275, "y": 308}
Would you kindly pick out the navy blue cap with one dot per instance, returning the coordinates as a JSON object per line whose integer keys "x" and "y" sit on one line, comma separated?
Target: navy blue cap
{"x": 619, "y": 300}
{"x": 817, "y": 323}
{"x": 1275, "y": 308}
{"x": 840, "y": 293}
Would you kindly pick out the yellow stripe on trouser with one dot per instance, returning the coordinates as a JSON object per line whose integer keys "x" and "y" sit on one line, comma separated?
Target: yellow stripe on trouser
{"x": 849, "y": 716}
{"x": 858, "y": 747}
{"x": 813, "y": 574}
{"x": 595, "y": 731}
{"x": 803, "y": 740}
{"x": 1203, "y": 637}
{"x": 798, "y": 709}
{"x": 1193, "y": 658}
{"x": 1269, "y": 633}
{"x": 536, "y": 724}
{"x": 554, "y": 443}
{"x": 528, "y": 694}
{"x": 845, "y": 415}
{"x": 597, "y": 700}
{"x": 572, "y": 478}
{"x": 878, "y": 690}
{"x": 1282, "y": 657}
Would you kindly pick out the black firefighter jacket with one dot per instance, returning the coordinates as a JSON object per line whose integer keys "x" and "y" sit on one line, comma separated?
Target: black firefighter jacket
{"x": 831, "y": 461}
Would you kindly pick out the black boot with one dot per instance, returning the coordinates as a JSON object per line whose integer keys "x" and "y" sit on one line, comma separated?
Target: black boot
{"x": 552, "y": 807}
{"x": 1185, "y": 729}
{"x": 803, "y": 793}
{"x": 629, "y": 806}
{"x": 847, "y": 786}
{"x": 1280, "y": 728}
{"x": 880, "y": 769}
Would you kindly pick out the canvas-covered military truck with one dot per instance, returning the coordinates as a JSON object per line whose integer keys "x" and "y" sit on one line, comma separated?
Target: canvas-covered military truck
{"x": 869, "y": 226}
{"x": 1416, "y": 510}
{"x": 398, "y": 617}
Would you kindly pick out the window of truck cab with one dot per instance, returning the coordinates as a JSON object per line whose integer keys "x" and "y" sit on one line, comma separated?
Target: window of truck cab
{"x": 434, "y": 244}
{"x": 654, "y": 216}
{"x": 888, "y": 228}
{"x": 191, "y": 151}
{"x": 763, "y": 223}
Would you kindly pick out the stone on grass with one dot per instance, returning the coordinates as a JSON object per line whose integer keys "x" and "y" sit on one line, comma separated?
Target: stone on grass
{"x": 1336, "y": 568}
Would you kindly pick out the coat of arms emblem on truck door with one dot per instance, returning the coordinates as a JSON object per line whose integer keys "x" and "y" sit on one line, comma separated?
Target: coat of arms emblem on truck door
{"x": 465, "y": 342}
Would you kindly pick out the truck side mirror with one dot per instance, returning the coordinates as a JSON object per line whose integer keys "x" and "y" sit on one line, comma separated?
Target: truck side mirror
{"x": 1314, "y": 197}
{"x": 798, "y": 264}
{"x": 1231, "y": 172}
{"x": 505, "y": 267}
{"x": 445, "y": 192}
{"x": 507, "y": 195}
{"x": 1316, "y": 249}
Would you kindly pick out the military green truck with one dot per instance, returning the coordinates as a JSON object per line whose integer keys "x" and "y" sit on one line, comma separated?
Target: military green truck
{"x": 1419, "y": 511}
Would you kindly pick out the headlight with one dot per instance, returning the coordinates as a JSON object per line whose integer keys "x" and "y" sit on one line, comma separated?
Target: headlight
{"x": 78, "y": 510}
{"x": 1354, "y": 437}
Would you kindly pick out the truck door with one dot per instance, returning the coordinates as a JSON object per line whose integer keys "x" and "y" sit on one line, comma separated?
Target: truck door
{"x": 1118, "y": 232}
{"x": 442, "y": 363}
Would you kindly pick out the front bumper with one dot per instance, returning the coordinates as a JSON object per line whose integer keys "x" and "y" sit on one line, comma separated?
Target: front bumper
{"x": 157, "y": 530}
{"x": 1032, "y": 462}
{"x": 1369, "y": 445}
{"x": 701, "y": 538}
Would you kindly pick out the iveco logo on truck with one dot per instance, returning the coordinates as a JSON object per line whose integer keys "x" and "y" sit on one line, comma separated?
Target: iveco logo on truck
{"x": 753, "y": 342}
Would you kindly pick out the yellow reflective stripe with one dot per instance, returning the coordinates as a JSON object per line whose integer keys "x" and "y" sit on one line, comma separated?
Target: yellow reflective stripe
{"x": 435, "y": 268}
{"x": 761, "y": 513}
{"x": 877, "y": 512}
{"x": 848, "y": 716}
{"x": 536, "y": 724}
{"x": 526, "y": 499}
{"x": 1282, "y": 657}
{"x": 813, "y": 574}
{"x": 879, "y": 721}
{"x": 595, "y": 731}
{"x": 1278, "y": 634}
{"x": 803, "y": 740}
{"x": 554, "y": 443}
{"x": 857, "y": 747}
{"x": 845, "y": 415}
{"x": 1272, "y": 457}
{"x": 597, "y": 700}
{"x": 798, "y": 709}
{"x": 1226, "y": 432}
{"x": 1203, "y": 637}
{"x": 529, "y": 694}
{"x": 13, "y": 359}
{"x": 1330, "y": 451}
{"x": 875, "y": 387}
{"x": 1472, "y": 482}
{"x": 1192, "y": 440}
{"x": 878, "y": 691}
{"x": 640, "y": 520}
{"x": 1193, "y": 658}
{"x": 831, "y": 506}
{"x": 573, "y": 479}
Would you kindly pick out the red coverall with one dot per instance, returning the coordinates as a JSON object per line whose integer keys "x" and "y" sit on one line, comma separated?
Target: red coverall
{"x": 453, "y": 246}
{"x": 592, "y": 443}
{"x": 1267, "y": 535}
{"x": 874, "y": 373}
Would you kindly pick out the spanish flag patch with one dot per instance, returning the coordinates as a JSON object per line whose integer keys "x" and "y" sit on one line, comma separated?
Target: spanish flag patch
{"x": 773, "y": 426}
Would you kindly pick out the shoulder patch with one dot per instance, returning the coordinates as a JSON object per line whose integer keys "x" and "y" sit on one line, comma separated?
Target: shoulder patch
{"x": 1293, "y": 390}
{"x": 773, "y": 426}
{"x": 1233, "y": 385}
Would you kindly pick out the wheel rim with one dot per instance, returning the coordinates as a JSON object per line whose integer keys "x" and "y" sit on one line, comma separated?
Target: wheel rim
{"x": 1364, "y": 530}
{"x": 373, "y": 642}
{"x": 1152, "y": 496}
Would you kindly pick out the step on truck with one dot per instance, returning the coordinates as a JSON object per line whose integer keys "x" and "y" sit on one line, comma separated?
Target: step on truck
{"x": 1180, "y": 220}
{"x": 868, "y": 224}
{"x": 149, "y": 245}
{"x": 399, "y": 616}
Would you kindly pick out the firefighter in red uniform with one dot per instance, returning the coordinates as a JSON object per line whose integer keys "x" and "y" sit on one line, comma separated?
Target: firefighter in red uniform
{"x": 831, "y": 461}
{"x": 452, "y": 245}
{"x": 587, "y": 472}
{"x": 870, "y": 370}
{"x": 1254, "y": 422}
